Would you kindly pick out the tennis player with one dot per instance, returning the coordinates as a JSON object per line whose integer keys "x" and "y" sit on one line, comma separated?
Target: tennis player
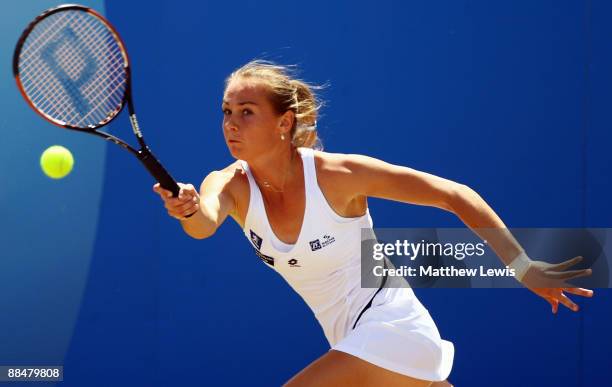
{"x": 302, "y": 210}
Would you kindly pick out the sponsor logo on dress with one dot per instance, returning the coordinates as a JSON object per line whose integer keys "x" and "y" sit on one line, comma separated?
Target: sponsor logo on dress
{"x": 293, "y": 262}
{"x": 256, "y": 241}
{"x": 315, "y": 245}
{"x": 318, "y": 244}
{"x": 266, "y": 258}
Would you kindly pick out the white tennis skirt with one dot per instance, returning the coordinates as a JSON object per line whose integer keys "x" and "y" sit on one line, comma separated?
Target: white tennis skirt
{"x": 397, "y": 333}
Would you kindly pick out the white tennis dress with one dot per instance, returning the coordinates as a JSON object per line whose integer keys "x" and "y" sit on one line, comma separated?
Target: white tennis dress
{"x": 395, "y": 332}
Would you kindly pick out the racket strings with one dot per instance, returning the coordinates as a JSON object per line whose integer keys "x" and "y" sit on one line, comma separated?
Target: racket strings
{"x": 69, "y": 62}
{"x": 73, "y": 70}
{"x": 33, "y": 67}
{"x": 30, "y": 70}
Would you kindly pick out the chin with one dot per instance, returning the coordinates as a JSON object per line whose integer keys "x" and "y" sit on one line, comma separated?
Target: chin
{"x": 236, "y": 150}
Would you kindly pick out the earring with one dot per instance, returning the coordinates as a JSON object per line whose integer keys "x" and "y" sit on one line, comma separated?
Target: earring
{"x": 282, "y": 136}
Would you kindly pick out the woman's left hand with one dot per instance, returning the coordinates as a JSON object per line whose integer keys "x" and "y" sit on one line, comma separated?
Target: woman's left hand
{"x": 554, "y": 277}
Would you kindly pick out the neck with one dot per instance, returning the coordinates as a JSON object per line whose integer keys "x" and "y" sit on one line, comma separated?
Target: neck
{"x": 275, "y": 171}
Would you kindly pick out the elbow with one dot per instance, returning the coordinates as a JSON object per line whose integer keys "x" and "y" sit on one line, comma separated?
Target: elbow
{"x": 201, "y": 235}
{"x": 200, "y": 232}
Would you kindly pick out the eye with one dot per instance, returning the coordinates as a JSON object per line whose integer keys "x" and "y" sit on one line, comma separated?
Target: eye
{"x": 246, "y": 112}
{"x": 226, "y": 111}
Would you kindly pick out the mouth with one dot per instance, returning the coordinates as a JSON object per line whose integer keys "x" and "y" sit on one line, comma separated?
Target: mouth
{"x": 231, "y": 141}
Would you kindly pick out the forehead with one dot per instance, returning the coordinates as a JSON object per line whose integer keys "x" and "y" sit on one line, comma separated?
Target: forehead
{"x": 245, "y": 89}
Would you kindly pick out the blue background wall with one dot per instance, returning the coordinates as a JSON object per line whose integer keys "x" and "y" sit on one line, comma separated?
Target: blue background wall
{"x": 510, "y": 97}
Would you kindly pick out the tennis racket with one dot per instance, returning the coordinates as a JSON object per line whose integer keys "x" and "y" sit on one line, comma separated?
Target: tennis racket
{"x": 72, "y": 68}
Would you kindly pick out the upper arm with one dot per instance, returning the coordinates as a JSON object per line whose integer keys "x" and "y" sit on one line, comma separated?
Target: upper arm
{"x": 375, "y": 178}
{"x": 216, "y": 197}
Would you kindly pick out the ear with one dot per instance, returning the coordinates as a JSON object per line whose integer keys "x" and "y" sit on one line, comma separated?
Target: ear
{"x": 286, "y": 122}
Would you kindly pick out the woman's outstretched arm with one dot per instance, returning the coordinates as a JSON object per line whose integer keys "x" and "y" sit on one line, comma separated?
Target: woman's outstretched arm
{"x": 371, "y": 177}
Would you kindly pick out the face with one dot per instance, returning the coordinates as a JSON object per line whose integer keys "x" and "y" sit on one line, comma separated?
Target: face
{"x": 251, "y": 125}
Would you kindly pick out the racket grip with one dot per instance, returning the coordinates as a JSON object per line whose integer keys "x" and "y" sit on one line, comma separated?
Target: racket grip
{"x": 159, "y": 172}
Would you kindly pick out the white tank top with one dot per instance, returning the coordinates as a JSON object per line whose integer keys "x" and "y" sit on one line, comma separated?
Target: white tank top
{"x": 324, "y": 265}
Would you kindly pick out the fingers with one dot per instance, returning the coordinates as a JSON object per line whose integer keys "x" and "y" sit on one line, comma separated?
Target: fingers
{"x": 554, "y": 304}
{"x": 164, "y": 193}
{"x": 567, "y": 264}
{"x": 579, "y": 291}
{"x": 186, "y": 203}
{"x": 567, "y": 302}
{"x": 183, "y": 214}
{"x": 554, "y": 296}
{"x": 558, "y": 297}
{"x": 569, "y": 274}
{"x": 182, "y": 206}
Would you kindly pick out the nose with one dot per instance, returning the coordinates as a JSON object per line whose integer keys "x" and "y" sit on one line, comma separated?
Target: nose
{"x": 230, "y": 125}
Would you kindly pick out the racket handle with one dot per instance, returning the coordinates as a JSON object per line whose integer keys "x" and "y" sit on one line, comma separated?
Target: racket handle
{"x": 158, "y": 172}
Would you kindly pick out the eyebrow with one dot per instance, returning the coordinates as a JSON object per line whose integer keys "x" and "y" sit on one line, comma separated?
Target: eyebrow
{"x": 241, "y": 103}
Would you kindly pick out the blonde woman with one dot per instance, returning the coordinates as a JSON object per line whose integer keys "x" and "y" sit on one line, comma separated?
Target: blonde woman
{"x": 302, "y": 211}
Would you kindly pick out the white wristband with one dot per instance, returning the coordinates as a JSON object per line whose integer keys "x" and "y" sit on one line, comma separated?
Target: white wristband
{"x": 520, "y": 264}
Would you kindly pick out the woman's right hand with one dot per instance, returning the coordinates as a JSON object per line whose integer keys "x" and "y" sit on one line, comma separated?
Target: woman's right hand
{"x": 185, "y": 204}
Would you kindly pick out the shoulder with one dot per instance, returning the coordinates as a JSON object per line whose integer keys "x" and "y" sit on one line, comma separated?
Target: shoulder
{"x": 343, "y": 165}
{"x": 358, "y": 174}
{"x": 231, "y": 176}
{"x": 343, "y": 160}
{"x": 331, "y": 162}
{"x": 338, "y": 175}
{"x": 232, "y": 184}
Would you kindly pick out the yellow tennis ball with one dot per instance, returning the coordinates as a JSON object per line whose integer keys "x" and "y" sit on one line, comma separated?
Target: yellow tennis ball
{"x": 56, "y": 161}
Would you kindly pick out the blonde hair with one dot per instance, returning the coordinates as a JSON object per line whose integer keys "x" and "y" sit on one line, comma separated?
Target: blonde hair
{"x": 287, "y": 93}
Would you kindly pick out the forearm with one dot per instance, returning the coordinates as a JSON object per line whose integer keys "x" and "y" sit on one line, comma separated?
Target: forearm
{"x": 201, "y": 224}
{"x": 480, "y": 218}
